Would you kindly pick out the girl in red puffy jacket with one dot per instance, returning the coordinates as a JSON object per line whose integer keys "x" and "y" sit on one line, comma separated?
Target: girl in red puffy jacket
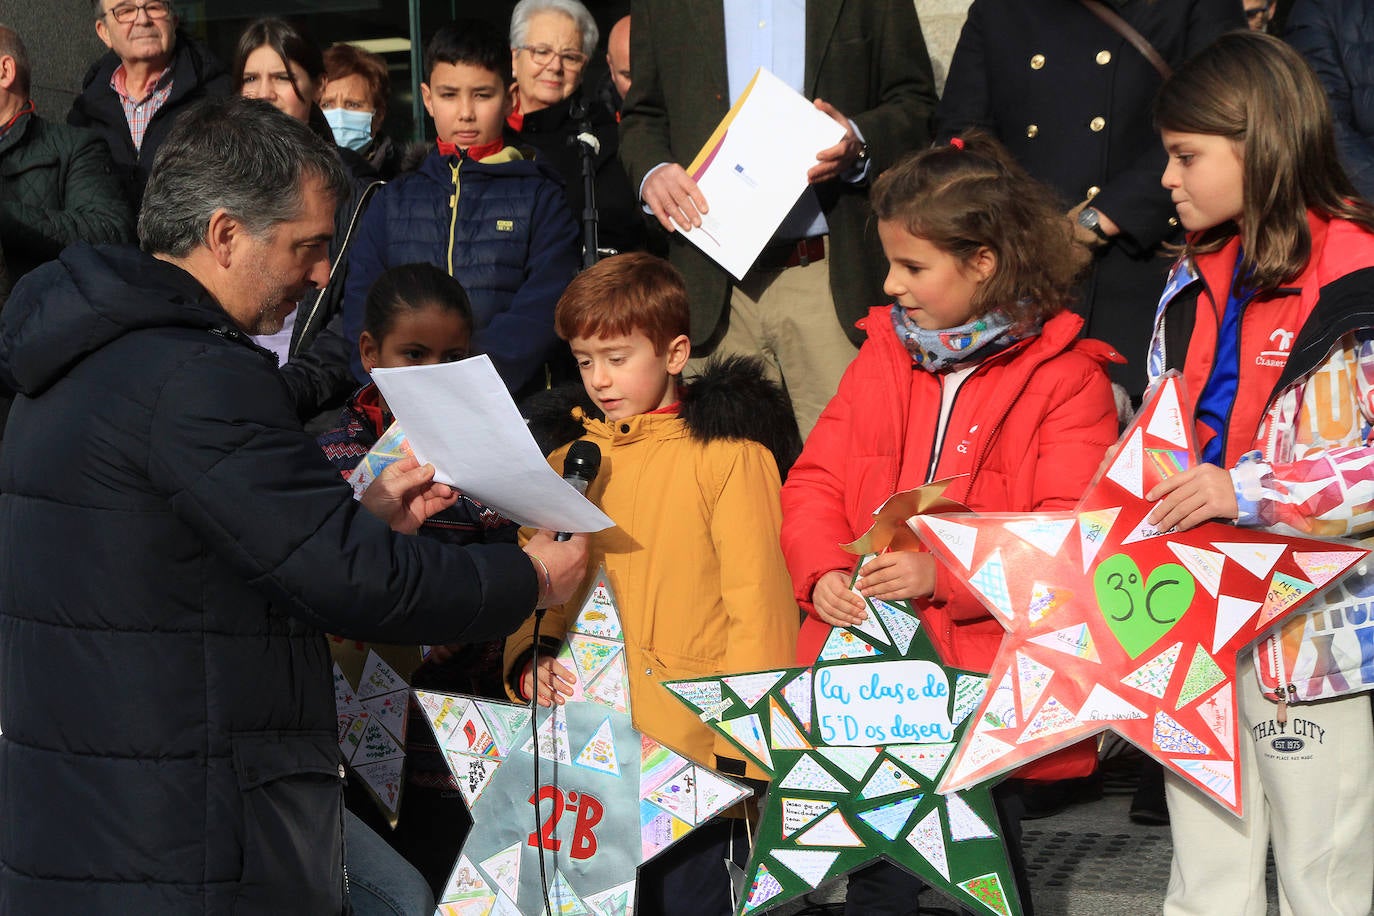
{"x": 975, "y": 371}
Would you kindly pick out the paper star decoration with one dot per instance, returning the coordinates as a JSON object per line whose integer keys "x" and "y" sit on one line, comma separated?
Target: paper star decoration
{"x": 372, "y": 716}
{"x": 1112, "y": 624}
{"x": 609, "y": 797}
{"x": 856, "y": 744}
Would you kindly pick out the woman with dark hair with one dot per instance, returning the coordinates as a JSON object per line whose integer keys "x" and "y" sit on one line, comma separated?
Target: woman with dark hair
{"x": 274, "y": 62}
{"x": 551, "y": 42}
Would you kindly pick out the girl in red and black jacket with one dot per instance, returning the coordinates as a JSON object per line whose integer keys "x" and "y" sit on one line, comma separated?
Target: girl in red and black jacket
{"x": 976, "y": 371}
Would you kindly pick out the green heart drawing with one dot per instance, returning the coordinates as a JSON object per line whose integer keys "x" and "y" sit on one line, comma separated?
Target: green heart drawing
{"x": 1140, "y": 615}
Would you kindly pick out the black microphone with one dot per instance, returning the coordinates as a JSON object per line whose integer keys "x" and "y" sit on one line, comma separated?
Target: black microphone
{"x": 580, "y": 468}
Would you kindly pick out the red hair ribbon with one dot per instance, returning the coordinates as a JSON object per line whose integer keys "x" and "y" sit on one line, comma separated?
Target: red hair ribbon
{"x": 956, "y": 142}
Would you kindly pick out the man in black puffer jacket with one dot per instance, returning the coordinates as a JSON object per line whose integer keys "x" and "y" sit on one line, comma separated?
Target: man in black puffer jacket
{"x": 172, "y": 545}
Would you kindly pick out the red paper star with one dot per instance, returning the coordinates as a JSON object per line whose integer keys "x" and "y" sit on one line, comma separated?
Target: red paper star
{"x": 1112, "y": 624}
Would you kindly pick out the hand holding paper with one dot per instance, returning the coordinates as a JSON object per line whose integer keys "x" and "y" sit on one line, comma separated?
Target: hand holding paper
{"x": 756, "y": 165}
{"x": 834, "y": 161}
{"x": 405, "y": 494}
{"x": 674, "y": 197}
{"x": 459, "y": 417}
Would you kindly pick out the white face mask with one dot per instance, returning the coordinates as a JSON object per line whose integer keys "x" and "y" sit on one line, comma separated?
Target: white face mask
{"x": 352, "y": 129}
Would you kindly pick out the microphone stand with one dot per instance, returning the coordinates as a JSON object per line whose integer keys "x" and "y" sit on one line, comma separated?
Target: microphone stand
{"x": 588, "y": 146}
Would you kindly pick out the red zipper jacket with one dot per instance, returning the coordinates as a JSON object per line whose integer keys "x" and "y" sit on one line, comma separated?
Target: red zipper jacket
{"x": 1028, "y": 428}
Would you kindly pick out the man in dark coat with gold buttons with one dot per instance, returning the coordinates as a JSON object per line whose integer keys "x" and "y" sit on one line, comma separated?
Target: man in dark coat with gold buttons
{"x": 1071, "y": 98}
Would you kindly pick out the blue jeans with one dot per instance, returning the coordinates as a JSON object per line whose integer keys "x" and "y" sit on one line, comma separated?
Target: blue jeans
{"x": 380, "y": 882}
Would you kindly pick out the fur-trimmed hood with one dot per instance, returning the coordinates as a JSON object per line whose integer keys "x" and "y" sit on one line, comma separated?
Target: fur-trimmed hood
{"x": 730, "y": 399}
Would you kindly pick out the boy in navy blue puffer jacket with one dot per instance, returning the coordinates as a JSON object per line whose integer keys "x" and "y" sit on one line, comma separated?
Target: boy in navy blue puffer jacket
{"x": 479, "y": 209}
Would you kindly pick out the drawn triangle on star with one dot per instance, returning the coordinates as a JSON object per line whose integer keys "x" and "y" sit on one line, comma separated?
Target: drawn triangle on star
{"x": 853, "y": 760}
{"x": 991, "y": 582}
{"x": 926, "y": 759}
{"x": 797, "y": 694}
{"x": 762, "y": 889}
{"x": 700, "y": 695}
{"x": 564, "y": 900}
{"x": 964, "y": 822}
{"x": 1173, "y": 738}
{"x": 1153, "y": 676}
{"x": 1323, "y": 566}
{"x": 809, "y": 865}
{"x": 987, "y": 890}
{"x": 899, "y": 624}
{"x": 831, "y": 830}
{"x": 1093, "y": 528}
{"x": 617, "y": 901}
{"x": 598, "y": 615}
{"x": 871, "y": 626}
{"x": 507, "y": 723}
{"x": 1127, "y": 468}
{"x": 889, "y": 819}
{"x": 750, "y": 688}
{"x": 1104, "y": 706}
{"x": 809, "y": 775}
{"x": 1033, "y": 678}
{"x": 1217, "y": 775}
{"x": 503, "y": 869}
{"x": 888, "y": 779}
{"x": 1232, "y": 614}
{"x": 747, "y": 731}
{"x": 1218, "y": 714}
{"x": 801, "y": 812}
{"x": 714, "y": 793}
{"x": 1256, "y": 559}
{"x": 599, "y": 752}
{"x": 783, "y": 733}
{"x": 959, "y": 539}
{"x": 1285, "y": 591}
{"x": 1203, "y": 674}
{"x": 1166, "y": 422}
{"x": 928, "y": 839}
{"x": 1205, "y": 565}
{"x": 1076, "y": 640}
{"x": 841, "y": 643}
{"x": 1045, "y": 600}
{"x": 1046, "y": 535}
{"x": 591, "y": 654}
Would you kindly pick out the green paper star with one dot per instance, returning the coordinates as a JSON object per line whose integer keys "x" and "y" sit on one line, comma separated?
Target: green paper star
{"x": 856, "y": 744}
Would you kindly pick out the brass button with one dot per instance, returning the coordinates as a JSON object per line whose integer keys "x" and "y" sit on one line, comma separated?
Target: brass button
{"x": 1097, "y": 123}
{"x": 1093, "y": 192}
{"x": 1173, "y": 221}
{"x": 1032, "y": 130}
{"x": 1037, "y": 61}
{"x": 1104, "y": 58}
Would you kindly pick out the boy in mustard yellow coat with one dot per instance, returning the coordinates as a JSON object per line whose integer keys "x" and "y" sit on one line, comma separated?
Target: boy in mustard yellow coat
{"x": 689, "y": 475}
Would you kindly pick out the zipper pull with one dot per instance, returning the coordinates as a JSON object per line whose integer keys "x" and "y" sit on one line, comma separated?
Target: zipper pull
{"x": 1282, "y": 714}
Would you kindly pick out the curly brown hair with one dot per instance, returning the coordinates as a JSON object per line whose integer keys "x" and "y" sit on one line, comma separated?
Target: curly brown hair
{"x": 972, "y": 195}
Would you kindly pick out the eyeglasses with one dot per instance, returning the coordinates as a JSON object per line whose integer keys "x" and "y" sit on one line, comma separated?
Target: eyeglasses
{"x": 542, "y": 54}
{"x": 126, "y": 13}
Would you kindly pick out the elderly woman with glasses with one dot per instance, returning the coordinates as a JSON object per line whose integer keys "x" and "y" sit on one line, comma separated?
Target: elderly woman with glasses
{"x": 551, "y": 42}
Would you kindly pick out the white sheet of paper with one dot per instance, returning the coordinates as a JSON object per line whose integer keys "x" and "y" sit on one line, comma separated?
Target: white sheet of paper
{"x": 460, "y": 418}
{"x": 753, "y": 168}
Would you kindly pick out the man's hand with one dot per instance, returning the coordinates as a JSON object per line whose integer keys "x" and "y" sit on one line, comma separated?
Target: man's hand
{"x": 1192, "y": 497}
{"x": 566, "y": 562}
{"x": 555, "y": 682}
{"x": 405, "y": 494}
{"x": 674, "y": 197}
{"x": 835, "y": 603}
{"x": 898, "y": 575}
{"x": 834, "y": 161}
